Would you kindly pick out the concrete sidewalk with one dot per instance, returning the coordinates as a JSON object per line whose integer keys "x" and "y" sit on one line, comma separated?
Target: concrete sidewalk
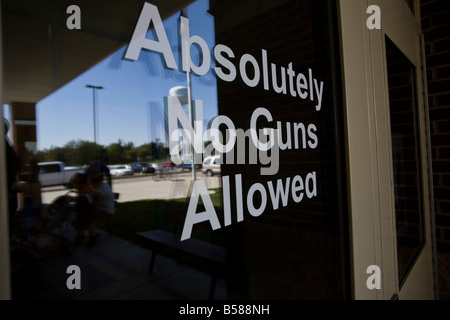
{"x": 140, "y": 188}
{"x": 114, "y": 269}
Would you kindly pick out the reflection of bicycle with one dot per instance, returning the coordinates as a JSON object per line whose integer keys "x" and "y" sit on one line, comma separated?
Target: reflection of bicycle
{"x": 162, "y": 174}
{"x": 62, "y": 220}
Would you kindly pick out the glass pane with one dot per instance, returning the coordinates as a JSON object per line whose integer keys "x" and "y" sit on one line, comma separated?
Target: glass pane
{"x": 111, "y": 122}
{"x": 406, "y": 157}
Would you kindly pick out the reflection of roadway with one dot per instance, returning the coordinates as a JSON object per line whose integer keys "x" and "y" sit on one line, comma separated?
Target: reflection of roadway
{"x": 138, "y": 188}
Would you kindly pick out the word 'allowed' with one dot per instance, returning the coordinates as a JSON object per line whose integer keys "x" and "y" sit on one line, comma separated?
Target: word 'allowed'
{"x": 278, "y": 192}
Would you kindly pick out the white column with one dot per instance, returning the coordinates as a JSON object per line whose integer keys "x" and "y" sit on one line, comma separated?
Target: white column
{"x": 5, "y": 279}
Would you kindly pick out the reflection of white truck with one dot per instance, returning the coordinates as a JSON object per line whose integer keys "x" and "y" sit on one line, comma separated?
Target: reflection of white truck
{"x": 56, "y": 173}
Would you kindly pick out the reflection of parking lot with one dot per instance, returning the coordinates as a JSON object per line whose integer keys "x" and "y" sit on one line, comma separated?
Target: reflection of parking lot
{"x": 139, "y": 188}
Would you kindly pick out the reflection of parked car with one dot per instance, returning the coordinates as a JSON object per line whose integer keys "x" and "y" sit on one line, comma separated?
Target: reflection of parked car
{"x": 211, "y": 165}
{"x": 155, "y": 166}
{"x": 167, "y": 165}
{"x": 146, "y": 168}
{"x": 188, "y": 165}
{"x": 137, "y": 167}
{"x": 54, "y": 173}
{"x": 120, "y": 170}
{"x": 141, "y": 167}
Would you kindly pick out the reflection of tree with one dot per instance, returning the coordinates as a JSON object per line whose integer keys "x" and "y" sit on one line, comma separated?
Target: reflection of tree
{"x": 79, "y": 153}
{"x": 72, "y": 153}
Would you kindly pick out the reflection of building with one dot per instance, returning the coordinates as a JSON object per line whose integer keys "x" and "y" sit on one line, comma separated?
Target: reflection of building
{"x": 314, "y": 249}
{"x": 23, "y": 125}
{"x": 308, "y": 226}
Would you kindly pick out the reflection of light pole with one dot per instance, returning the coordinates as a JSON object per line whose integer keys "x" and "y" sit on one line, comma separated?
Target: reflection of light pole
{"x": 94, "y": 111}
{"x": 185, "y": 13}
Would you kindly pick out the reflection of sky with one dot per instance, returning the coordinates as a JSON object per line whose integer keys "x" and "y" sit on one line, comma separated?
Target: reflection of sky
{"x": 131, "y": 105}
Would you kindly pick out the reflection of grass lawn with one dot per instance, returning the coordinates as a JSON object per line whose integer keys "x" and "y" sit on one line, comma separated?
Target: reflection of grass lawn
{"x": 142, "y": 215}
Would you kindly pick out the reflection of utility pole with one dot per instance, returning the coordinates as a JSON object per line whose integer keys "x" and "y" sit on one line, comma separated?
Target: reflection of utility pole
{"x": 184, "y": 13}
{"x": 94, "y": 111}
{"x": 149, "y": 119}
{"x": 191, "y": 117}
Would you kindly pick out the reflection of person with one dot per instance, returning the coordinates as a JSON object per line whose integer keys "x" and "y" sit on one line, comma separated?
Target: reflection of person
{"x": 84, "y": 202}
{"x": 32, "y": 188}
{"x": 96, "y": 199}
{"x": 103, "y": 205}
{"x": 31, "y": 213}
{"x": 13, "y": 167}
{"x": 79, "y": 182}
{"x": 100, "y": 165}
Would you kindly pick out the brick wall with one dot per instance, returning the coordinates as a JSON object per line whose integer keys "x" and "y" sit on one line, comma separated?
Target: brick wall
{"x": 297, "y": 251}
{"x": 436, "y": 29}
